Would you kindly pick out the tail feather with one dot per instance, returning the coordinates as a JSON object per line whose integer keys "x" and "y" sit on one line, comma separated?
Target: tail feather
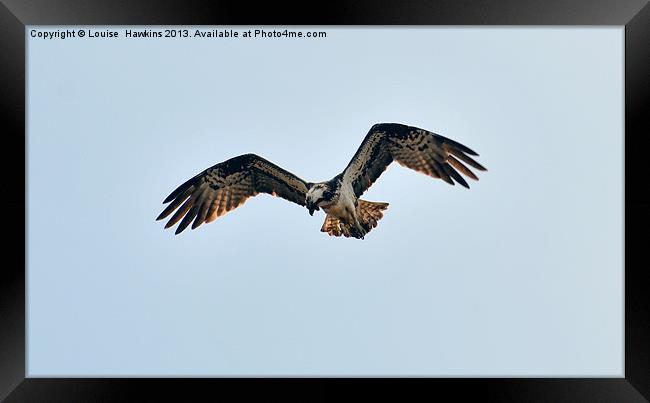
{"x": 368, "y": 213}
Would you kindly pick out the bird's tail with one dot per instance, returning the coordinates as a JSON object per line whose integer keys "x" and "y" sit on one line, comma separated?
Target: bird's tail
{"x": 368, "y": 213}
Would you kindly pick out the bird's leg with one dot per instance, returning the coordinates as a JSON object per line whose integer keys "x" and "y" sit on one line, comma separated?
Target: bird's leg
{"x": 352, "y": 220}
{"x": 359, "y": 227}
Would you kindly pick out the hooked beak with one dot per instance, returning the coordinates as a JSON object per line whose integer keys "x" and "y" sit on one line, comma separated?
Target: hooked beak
{"x": 312, "y": 207}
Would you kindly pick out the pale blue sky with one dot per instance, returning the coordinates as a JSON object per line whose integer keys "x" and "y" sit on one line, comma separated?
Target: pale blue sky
{"x": 519, "y": 276}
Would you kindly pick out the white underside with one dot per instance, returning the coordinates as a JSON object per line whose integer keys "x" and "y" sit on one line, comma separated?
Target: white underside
{"x": 343, "y": 207}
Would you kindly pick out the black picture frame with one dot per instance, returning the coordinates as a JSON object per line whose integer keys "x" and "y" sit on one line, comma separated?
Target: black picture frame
{"x": 633, "y": 14}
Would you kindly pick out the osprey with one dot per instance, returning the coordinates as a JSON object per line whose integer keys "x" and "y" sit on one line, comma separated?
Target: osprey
{"x": 227, "y": 185}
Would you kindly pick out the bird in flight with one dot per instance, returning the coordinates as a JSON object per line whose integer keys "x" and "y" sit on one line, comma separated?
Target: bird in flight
{"x": 227, "y": 185}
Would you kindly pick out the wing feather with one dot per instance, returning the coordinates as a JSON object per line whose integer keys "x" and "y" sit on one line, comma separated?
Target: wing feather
{"x": 462, "y": 168}
{"x": 412, "y": 147}
{"x": 454, "y": 174}
{"x": 174, "y": 205}
{"x": 189, "y": 217}
{"x": 202, "y": 215}
{"x": 226, "y": 186}
{"x": 184, "y": 209}
{"x": 467, "y": 159}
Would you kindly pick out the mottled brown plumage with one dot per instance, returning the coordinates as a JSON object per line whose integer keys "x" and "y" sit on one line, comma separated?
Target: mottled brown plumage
{"x": 412, "y": 147}
{"x": 369, "y": 214}
{"x": 227, "y": 185}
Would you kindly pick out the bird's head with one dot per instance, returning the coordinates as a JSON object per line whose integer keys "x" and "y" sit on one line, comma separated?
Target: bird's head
{"x": 317, "y": 195}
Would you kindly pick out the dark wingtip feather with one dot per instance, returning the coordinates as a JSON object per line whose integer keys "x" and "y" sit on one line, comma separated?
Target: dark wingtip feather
{"x": 198, "y": 221}
{"x": 462, "y": 168}
{"x": 182, "y": 188}
{"x": 480, "y": 167}
{"x": 171, "y": 197}
{"x": 454, "y": 144}
{"x": 467, "y": 160}
{"x": 174, "y": 194}
{"x": 177, "y": 202}
{"x": 455, "y": 175}
{"x": 466, "y": 150}
{"x": 189, "y": 217}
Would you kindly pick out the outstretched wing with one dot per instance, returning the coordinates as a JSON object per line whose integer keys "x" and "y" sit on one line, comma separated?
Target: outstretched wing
{"x": 226, "y": 186}
{"x": 418, "y": 149}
